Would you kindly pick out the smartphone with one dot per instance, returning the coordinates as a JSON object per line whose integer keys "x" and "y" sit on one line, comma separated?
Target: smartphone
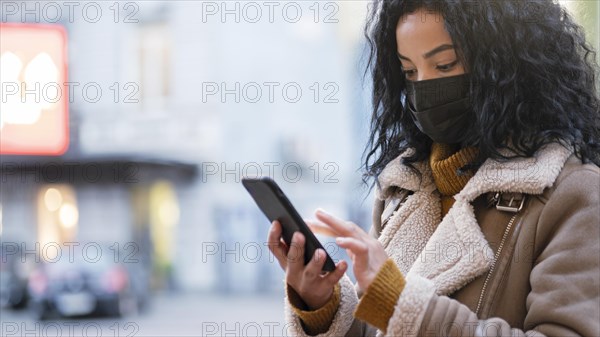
{"x": 276, "y": 206}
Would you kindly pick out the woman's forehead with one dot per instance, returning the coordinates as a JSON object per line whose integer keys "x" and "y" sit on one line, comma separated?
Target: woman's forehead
{"x": 421, "y": 30}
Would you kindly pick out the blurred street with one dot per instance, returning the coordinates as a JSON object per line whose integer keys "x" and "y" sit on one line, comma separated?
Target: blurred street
{"x": 181, "y": 314}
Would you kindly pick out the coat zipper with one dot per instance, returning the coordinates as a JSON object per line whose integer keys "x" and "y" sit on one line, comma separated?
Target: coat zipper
{"x": 489, "y": 275}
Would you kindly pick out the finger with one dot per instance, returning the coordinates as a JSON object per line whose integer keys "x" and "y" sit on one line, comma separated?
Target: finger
{"x": 284, "y": 247}
{"x": 350, "y": 254}
{"x": 274, "y": 236}
{"x": 344, "y": 228}
{"x": 321, "y": 228}
{"x": 334, "y": 276}
{"x": 315, "y": 265}
{"x": 275, "y": 232}
{"x": 274, "y": 243}
{"x": 295, "y": 256}
{"x": 358, "y": 247}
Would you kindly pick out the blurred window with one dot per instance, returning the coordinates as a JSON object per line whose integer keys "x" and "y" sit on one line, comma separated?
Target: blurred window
{"x": 154, "y": 66}
{"x": 58, "y": 214}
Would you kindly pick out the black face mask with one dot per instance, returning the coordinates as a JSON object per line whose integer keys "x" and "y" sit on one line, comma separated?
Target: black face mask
{"x": 441, "y": 107}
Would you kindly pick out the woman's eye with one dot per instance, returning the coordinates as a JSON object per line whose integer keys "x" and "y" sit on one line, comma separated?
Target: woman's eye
{"x": 409, "y": 72}
{"x": 447, "y": 67}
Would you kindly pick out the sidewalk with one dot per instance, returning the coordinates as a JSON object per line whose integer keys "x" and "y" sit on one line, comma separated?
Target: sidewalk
{"x": 189, "y": 314}
{"x": 179, "y": 314}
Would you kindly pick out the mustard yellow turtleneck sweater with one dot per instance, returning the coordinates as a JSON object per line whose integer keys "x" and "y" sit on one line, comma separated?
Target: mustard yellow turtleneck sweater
{"x": 445, "y": 160}
{"x": 377, "y": 303}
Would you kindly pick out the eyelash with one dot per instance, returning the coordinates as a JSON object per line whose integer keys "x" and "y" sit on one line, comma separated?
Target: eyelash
{"x": 409, "y": 72}
{"x": 443, "y": 68}
{"x": 447, "y": 67}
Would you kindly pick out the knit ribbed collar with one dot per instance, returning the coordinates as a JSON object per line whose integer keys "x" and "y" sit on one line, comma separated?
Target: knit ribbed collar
{"x": 445, "y": 160}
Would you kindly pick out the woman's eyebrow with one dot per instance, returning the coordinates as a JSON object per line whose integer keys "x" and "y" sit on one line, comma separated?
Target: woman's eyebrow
{"x": 430, "y": 53}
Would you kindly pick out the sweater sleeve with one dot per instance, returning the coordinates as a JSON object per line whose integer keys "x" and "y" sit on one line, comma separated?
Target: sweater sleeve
{"x": 376, "y": 306}
{"x": 343, "y": 323}
{"x": 314, "y": 321}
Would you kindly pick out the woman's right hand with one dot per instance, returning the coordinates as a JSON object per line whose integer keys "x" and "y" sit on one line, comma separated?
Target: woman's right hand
{"x": 314, "y": 288}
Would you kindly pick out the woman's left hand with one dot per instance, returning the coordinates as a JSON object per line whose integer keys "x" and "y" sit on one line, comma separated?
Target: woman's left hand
{"x": 367, "y": 254}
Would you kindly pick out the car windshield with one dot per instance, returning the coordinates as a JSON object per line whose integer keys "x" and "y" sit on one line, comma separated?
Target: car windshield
{"x": 88, "y": 259}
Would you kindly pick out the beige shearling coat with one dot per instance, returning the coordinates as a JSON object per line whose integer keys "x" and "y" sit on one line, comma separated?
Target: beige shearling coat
{"x": 484, "y": 270}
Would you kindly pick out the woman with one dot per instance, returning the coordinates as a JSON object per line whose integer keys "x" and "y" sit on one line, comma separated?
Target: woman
{"x": 485, "y": 150}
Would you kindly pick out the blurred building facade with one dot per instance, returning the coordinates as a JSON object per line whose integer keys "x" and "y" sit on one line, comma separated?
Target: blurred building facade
{"x": 195, "y": 95}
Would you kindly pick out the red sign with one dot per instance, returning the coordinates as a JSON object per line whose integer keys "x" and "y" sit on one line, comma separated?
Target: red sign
{"x": 34, "y": 93}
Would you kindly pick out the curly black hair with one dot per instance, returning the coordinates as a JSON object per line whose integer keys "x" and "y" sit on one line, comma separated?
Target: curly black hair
{"x": 532, "y": 74}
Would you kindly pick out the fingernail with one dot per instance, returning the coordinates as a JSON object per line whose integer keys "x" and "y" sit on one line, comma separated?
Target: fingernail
{"x": 322, "y": 211}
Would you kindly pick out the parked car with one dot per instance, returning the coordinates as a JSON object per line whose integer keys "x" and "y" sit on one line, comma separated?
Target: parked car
{"x": 81, "y": 285}
{"x": 15, "y": 268}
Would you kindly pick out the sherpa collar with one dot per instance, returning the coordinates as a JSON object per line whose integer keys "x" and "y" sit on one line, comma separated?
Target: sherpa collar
{"x": 521, "y": 175}
{"x": 416, "y": 231}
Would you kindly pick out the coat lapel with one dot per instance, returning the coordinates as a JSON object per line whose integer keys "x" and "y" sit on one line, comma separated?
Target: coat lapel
{"x": 453, "y": 251}
{"x": 408, "y": 230}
